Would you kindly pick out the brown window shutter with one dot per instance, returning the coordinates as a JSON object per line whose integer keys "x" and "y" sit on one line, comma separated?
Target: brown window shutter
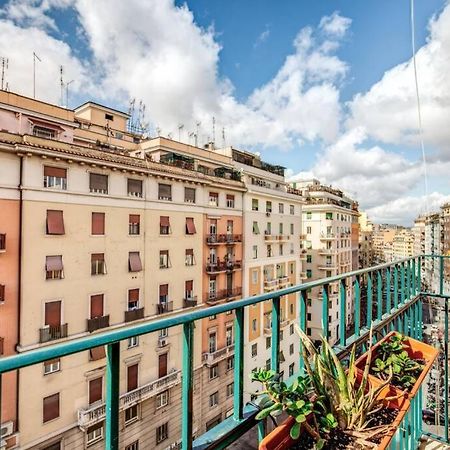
{"x": 2, "y": 345}
{"x": 134, "y": 262}
{"x": 98, "y": 182}
{"x": 53, "y": 314}
{"x": 98, "y": 223}
{"x": 189, "y": 285}
{"x": 57, "y": 172}
{"x": 132, "y": 377}
{"x": 53, "y": 263}
{"x": 51, "y": 407}
{"x": 189, "y": 252}
{"x": 165, "y": 191}
{"x": 230, "y": 197}
{"x": 134, "y": 186}
{"x": 163, "y": 289}
{"x": 2, "y": 293}
{"x": 97, "y": 257}
{"x": 96, "y": 306}
{"x": 164, "y": 221}
{"x": 133, "y": 295}
{"x": 135, "y": 218}
{"x": 189, "y": 195}
{"x": 55, "y": 222}
{"x": 97, "y": 353}
{"x": 95, "y": 390}
{"x": 190, "y": 226}
{"x": 162, "y": 365}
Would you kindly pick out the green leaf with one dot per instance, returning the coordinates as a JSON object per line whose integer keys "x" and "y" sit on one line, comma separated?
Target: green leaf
{"x": 300, "y": 418}
{"x": 295, "y": 431}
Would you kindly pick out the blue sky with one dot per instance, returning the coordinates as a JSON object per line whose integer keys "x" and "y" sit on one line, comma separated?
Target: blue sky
{"x": 324, "y": 88}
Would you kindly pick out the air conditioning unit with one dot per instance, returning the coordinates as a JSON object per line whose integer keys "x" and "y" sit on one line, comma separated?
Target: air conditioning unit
{"x": 162, "y": 342}
{"x": 7, "y": 429}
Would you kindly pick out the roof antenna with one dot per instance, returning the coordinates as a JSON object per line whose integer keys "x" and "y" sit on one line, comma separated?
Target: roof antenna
{"x": 61, "y": 81}
{"x": 67, "y": 93}
{"x": 180, "y": 127}
{"x": 34, "y": 72}
{"x": 4, "y": 62}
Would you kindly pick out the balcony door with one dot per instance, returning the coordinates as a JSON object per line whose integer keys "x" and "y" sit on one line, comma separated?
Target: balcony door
{"x": 53, "y": 314}
{"x": 212, "y": 342}
{"x": 213, "y": 226}
{"x": 162, "y": 365}
{"x": 212, "y": 256}
{"x": 229, "y": 281}
{"x": 96, "y": 306}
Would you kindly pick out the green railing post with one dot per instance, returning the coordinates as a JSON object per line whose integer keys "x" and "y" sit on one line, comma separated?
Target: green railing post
{"x": 402, "y": 283}
{"x": 379, "y": 295}
{"x": 325, "y": 307}
{"x": 388, "y": 291}
{"x": 342, "y": 313}
{"x": 112, "y": 396}
{"x": 238, "y": 393}
{"x": 275, "y": 362}
{"x": 441, "y": 275}
{"x": 303, "y": 311}
{"x": 414, "y": 280}
{"x": 357, "y": 305}
{"x": 186, "y": 386}
{"x": 419, "y": 274}
{"x": 369, "y": 298}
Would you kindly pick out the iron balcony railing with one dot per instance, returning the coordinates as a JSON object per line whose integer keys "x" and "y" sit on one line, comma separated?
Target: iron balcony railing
{"x": 223, "y": 266}
{"x": 162, "y": 308}
{"x": 218, "y": 355}
{"x": 51, "y": 333}
{"x": 134, "y": 314}
{"x": 97, "y": 323}
{"x": 385, "y": 297}
{"x": 223, "y": 238}
{"x": 189, "y": 302}
{"x": 222, "y": 294}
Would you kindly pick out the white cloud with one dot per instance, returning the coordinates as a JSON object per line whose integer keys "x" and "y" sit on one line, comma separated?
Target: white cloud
{"x": 335, "y": 25}
{"x": 389, "y": 109}
{"x": 262, "y": 37}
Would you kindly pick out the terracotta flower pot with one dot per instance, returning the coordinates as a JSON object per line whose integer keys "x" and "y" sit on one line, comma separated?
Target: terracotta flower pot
{"x": 279, "y": 438}
{"x": 415, "y": 350}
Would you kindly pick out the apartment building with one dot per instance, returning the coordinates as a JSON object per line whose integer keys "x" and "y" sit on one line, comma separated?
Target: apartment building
{"x": 272, "y": 260}
{"x": 432, "y": 247}
{"x": 110, "y": 235}
{"x": 418, "y": 231}
{"x": 328, "y": 216}
{"x": 383, "y": 239}
{"x": 403, "y": 244}
{"x": 445, "y": 233}
{"x": 366, "y": 253}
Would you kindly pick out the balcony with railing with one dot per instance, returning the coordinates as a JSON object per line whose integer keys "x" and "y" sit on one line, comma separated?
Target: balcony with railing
{"x": 223, "y": 266}
{"x": 134, "y": 314}
{"x": 52, "y": 333}
{"x": 385, "y": 297}
{"x": 228, "y": 239}
{"x": 164, "y": 307}
{"x": 222, "y": 294}
{"x": 327, "y": 265}
{"x": 97, "y": 323}
{"x": 189, "y": 302}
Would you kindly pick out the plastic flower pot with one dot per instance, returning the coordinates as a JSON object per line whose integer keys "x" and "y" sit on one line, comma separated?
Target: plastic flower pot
{"x": 415, "y": 349}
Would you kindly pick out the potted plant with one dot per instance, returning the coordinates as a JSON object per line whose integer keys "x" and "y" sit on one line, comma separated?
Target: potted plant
{"x": 406, "y": 361}
{"x": 330, "y": 407}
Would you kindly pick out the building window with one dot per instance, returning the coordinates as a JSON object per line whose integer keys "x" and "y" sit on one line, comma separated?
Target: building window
{"x": 229, "y": 336}
{"x": 230, "y": 389}
{"x": 309, "y": 215}
{"x": 268, "y": 342}
{"x": 134, "y": 224}
{"x": 163, "y": 294}
{"x": 291, "y": 369}
{"x": 95, "y": 390}
{"x": 98, "y": 183}
{"x": 291, "y": 349}
{"x": 164, "y": 191}
{"x": 254, "y": 350}
{"x": 254, "y": 324}
{"x": 281, "y": 248}
{"x": 255, "y": 251}
{"x": 292, "y": 228}
{"x": 255, "y": 204}
{"x": 280, "y": 229}
{"x": 55, "y": 222}
{"x": 281, "y": 208}
{"x": 269, "y": 228}
{"x": 230, "y": 363}
{"x": 255, "y": 276}
{"x": 164, "y": 261}
{"x": 164, "y": 225}
{"x": 291, "y": 209}
{"x": 268, "y": 206}
{"x": 131, "y": 414}
{"x": 133, "y": 446}
{"x": 52, "y": 366}
{"x": 309, "y": 258}
{"x": 162, "y": 399}
{"x": 213, "y": 371}
{"x": 189, "y": 257}
{"x": 98, "y": 223}
{"x": 255, "y": 228}
{"x": 190, "y": 226}
{"x": 94, "y": 434}
{"x": 329, "y": 216}
{"x": 230, "y": 201}
{"x": 133, "y": 341}
{"x": 268, "y": 364}
{"x": 134, "y": 188}
{"x": 132, "y": 377}
{"x": 162, "y": 432}
{"x": 213, "y": 199}
{"x": 308, "y": 245}
{"x": 214, "y": 399}
{"x": 134, "y": 262}
{"x": 98, "y": 265}
{"x": 54, "y": 446}
{"x": 269, "y": 250}
{"x": 54, "y": 269}
{"x": 308, "y": 230}
{"x": 55, "y": 178}
{"x": 291, "y": 327}
{"x": 133, "y": 299}
{"x": 109, "y": 117}
{"x": 51, "y": 407}
{"x": 189, "y": 195}
{"x": 309, "y": 273}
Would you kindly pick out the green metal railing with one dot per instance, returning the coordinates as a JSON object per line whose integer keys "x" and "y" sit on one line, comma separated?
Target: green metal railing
{"x": 386, "y": 297}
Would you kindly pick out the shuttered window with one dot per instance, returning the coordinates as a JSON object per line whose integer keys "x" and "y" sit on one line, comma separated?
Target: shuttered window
{"x": 134, "y": 187}
{"x": 98, "y": 183}
{"x": 55, "y": 222}
{"x": 132, "y": 377}
{"x": 189, "y": 195}
{"x": 162, "y": 365}
{"x": 95, "y": 390}
{"x": 2, "y": 293}
{"x": 190, "y": 226}
{"x": 97, "y": 353}
{"x": 163, "y": 293}
{"x": 53, "y": 267}
{"x": 134, "y": 224}
{"x": 51, "y": 407}
{"x": 96, "y": 306}
{"x": 134, "y": 262}
{"x": 57, "y": 172}
{"x": 164, "y": 225}
{"x": 188, "y": 288}
{"x": 133, "y": 298}
{"x": 55, "y": 177}
{"x": 98, "y": 266}
{"x": 164, "y": 191}
{"x": 98, "y": 223}
{"x": 53, "y": 314}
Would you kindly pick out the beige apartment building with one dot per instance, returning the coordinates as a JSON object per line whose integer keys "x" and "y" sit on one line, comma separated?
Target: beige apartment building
{"x": 383, "y": 239}
{"x": 328, "y": 216}
{"x": 111, "y": 236}
{"x": 366, "y": 253}
{"x": 403, "y": 244}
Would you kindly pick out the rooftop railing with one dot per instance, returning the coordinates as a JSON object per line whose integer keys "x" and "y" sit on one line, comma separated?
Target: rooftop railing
{"x": 385, "y": 297}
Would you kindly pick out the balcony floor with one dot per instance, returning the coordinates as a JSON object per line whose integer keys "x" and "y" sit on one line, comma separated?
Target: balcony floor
{"x": 431, "y": 444}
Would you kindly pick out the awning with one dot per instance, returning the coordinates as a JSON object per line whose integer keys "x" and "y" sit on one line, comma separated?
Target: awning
{"x": 53, "y": 263}
{"x": 133, "y": 295}
{"x": 164, "y": 221}
{"x": 41, "y": 123}
{"x": 55, "y": 222}
{"x": 190, "y": 226}
{"x": 57, "y": 172}
{"x": 163, "y": 289}
{"x": 135, "y": 262}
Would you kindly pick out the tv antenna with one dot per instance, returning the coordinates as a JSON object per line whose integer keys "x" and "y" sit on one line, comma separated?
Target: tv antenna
{"x": 5, "y": 63}
{"x": 180, "y": 127}
{"x": 35, "y": 57}
{"x": 61, "y": 81}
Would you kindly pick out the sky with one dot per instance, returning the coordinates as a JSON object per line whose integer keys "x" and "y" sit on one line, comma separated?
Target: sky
{"x": 324, "y": 88}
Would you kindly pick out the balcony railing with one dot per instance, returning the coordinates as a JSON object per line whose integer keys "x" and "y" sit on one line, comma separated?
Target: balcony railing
{"x": 223, "y": 294}
{"x": 327, "y": 236}
{"x": 223, "y": 266}
{"x": 134, "y": 314}
{"x": 189, "y": 302}
{"x": 52, "y": 333}
{"x": 162, "y": 308}
{"x": 93, "y": 415}
{"x": 212, "y": 239}
{"x": 384, "y": 297}
{"x": 218, "y": 355}
{"x": 97, "y": 323}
